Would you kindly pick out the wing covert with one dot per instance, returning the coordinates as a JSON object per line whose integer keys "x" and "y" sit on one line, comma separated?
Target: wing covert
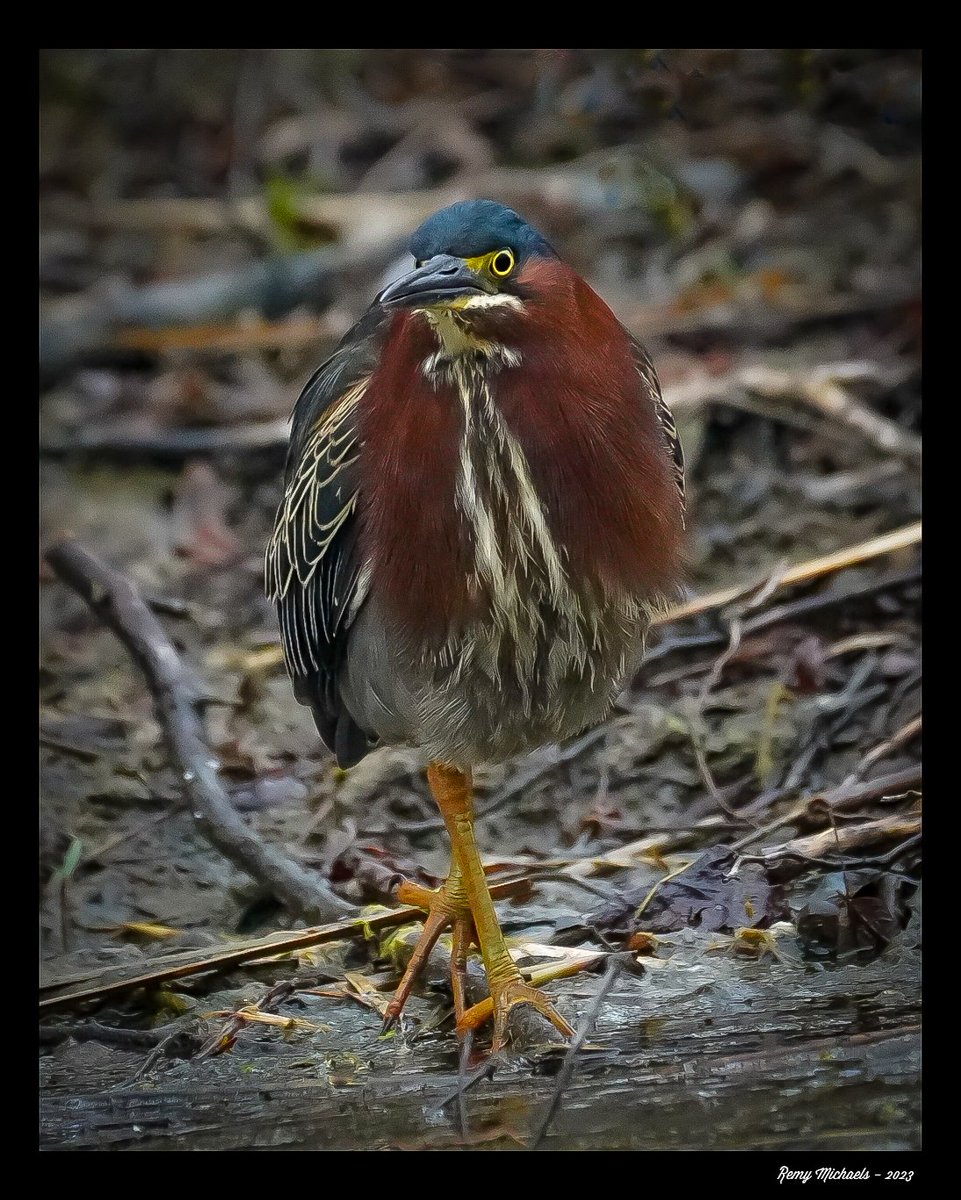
{"x": 313, "y": 573}
{"x": 665, "y": 418}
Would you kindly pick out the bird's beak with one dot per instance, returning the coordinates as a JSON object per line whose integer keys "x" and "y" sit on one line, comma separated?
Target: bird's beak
{"x": 444, "y": 279}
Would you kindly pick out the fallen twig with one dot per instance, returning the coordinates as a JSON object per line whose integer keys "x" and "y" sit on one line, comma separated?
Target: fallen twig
{"x": 658, "y": 884}
{"x": 84, "y": 753}
{"x": 468, "y": 1079}
{"x": 788, "y": 611}
{"x": 907, "y": 733}
{"x": 361, "y": 218}
{"x": 91, "y": 985}
{"x": 107, "y": 1035}
{"x": 226, "y": 1036}
{"x": 845, "y": 797}
{"x": 237, "y": 337}
{"x": 103, "y": 982}
{"x": 614, "y": 965}
{"x": 838, "y": 712}
{"x": 804, "y": 572}
{"x": 117, "y": 603}
{"x": 735, "y": 627}
{"x": 822, "y": 389}
{"x": 99, "y": 852}
{"x": 275, "y": 284}
{"x": 130, "y": 440}
{"x": 843, "y": 838}
{"x": 179, "y": 1043}
{"x": 621, "y": 856}
{"x": 859, "y": 862}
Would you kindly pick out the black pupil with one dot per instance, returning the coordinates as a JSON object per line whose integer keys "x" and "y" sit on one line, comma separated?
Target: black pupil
{"x": 502, "y": 264}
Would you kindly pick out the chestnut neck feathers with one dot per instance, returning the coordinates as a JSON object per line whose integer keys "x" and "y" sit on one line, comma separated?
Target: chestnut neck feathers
{"x": 530, "y": 414}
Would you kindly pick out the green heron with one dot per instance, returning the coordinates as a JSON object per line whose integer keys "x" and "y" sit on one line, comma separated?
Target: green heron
{"x": 483, "y": 507}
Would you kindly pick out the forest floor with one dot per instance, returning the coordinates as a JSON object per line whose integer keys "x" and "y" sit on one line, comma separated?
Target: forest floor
{"x": 736, "y": 850}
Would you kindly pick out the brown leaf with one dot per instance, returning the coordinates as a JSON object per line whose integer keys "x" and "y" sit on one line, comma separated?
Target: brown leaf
{"x": 704, "y": 896}
{"x": 854, "y": 910}
{"x": 376, "y": 872}
{"x": 807, "y": 671}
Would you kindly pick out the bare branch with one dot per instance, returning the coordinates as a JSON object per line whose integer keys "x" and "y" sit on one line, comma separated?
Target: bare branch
{"x": 813, "y": 568}
{"x": 99, "y": 984}
{"x": 118, "y": 604}
{"x": 824, "y": 389}
{"x": 614, "y": 965}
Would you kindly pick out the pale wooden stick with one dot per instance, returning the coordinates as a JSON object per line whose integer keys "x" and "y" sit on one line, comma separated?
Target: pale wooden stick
{"x": 804, "y": 572}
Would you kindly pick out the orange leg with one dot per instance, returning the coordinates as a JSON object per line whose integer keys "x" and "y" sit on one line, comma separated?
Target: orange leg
{"x": 446, "y": 906}
{"x": 453, "y": 792}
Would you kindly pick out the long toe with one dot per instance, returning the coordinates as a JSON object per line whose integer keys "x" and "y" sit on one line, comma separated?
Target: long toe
{"x": 502, "y": 1000}
{"x": 462, "y": 936}
{"x": 444, "y": 908}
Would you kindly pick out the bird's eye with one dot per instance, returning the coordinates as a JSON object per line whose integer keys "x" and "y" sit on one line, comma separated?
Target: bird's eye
{"x": 502, "y": 263}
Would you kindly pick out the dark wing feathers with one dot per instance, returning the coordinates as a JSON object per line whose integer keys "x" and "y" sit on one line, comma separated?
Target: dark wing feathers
{"x": 313, "y": 573}
{"x": 645, "y": 368}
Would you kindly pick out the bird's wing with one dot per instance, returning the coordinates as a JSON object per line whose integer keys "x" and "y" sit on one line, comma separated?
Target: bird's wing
{"x": 313, "y": 572}
{"x": 665, "y": 418}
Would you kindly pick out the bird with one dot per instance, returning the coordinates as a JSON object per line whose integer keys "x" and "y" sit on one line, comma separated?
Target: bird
{"x": 482, "y": 511}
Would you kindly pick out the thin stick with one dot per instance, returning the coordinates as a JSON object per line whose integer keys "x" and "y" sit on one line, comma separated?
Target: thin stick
{"x": 467, "y": 1080}
{"x": 463, "y": 1078}
{"x": 195, "y": 962}
{"x": 822, "y": 390}
{"x": 907, "y": 733}
{"x": 118, "y": 839}
{"x": 158, "y": 1052}
{"x": 659, "y": 884}
{"x": 126, "y": 439}
{"x": 846, "y": 796}
{"x": 840, "y": 840}
{"x": 614, "y": 965}
{"x": 226, "y": 1036}
{"x": 118, "y": 604}
{"x": 788, "y": 611}
{"x": 850, "y": 556}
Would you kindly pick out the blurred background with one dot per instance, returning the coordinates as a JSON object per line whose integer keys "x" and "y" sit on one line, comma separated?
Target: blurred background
{"x": 213, "y": 221}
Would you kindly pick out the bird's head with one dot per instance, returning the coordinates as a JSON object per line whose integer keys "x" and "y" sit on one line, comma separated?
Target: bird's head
{"x": 470, "y": 258}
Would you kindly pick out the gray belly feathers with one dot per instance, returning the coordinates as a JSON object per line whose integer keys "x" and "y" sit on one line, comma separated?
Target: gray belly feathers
{"x": 542, "y": 664}
{"x": 482, "y": 698}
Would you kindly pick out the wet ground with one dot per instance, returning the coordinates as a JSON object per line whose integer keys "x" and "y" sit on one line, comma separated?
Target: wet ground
{"x": 705, "y": 1052}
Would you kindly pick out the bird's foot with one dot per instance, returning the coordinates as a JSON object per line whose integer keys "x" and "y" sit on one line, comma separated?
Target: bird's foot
{"x": 506, "y": 995}
{"x": 445, "y": 907}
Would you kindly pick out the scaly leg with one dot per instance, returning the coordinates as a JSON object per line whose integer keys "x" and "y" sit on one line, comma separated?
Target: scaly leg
{"x": 446, "y": 906}
{"x": 452, "y": 790}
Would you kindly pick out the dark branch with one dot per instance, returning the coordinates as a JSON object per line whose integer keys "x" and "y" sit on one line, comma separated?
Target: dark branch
{"x": 118, "y": 604}
{"x": 614, "y": 965}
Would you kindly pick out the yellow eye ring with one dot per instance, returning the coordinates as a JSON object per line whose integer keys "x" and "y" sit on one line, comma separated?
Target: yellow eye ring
{"x": 502, "y": 264}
